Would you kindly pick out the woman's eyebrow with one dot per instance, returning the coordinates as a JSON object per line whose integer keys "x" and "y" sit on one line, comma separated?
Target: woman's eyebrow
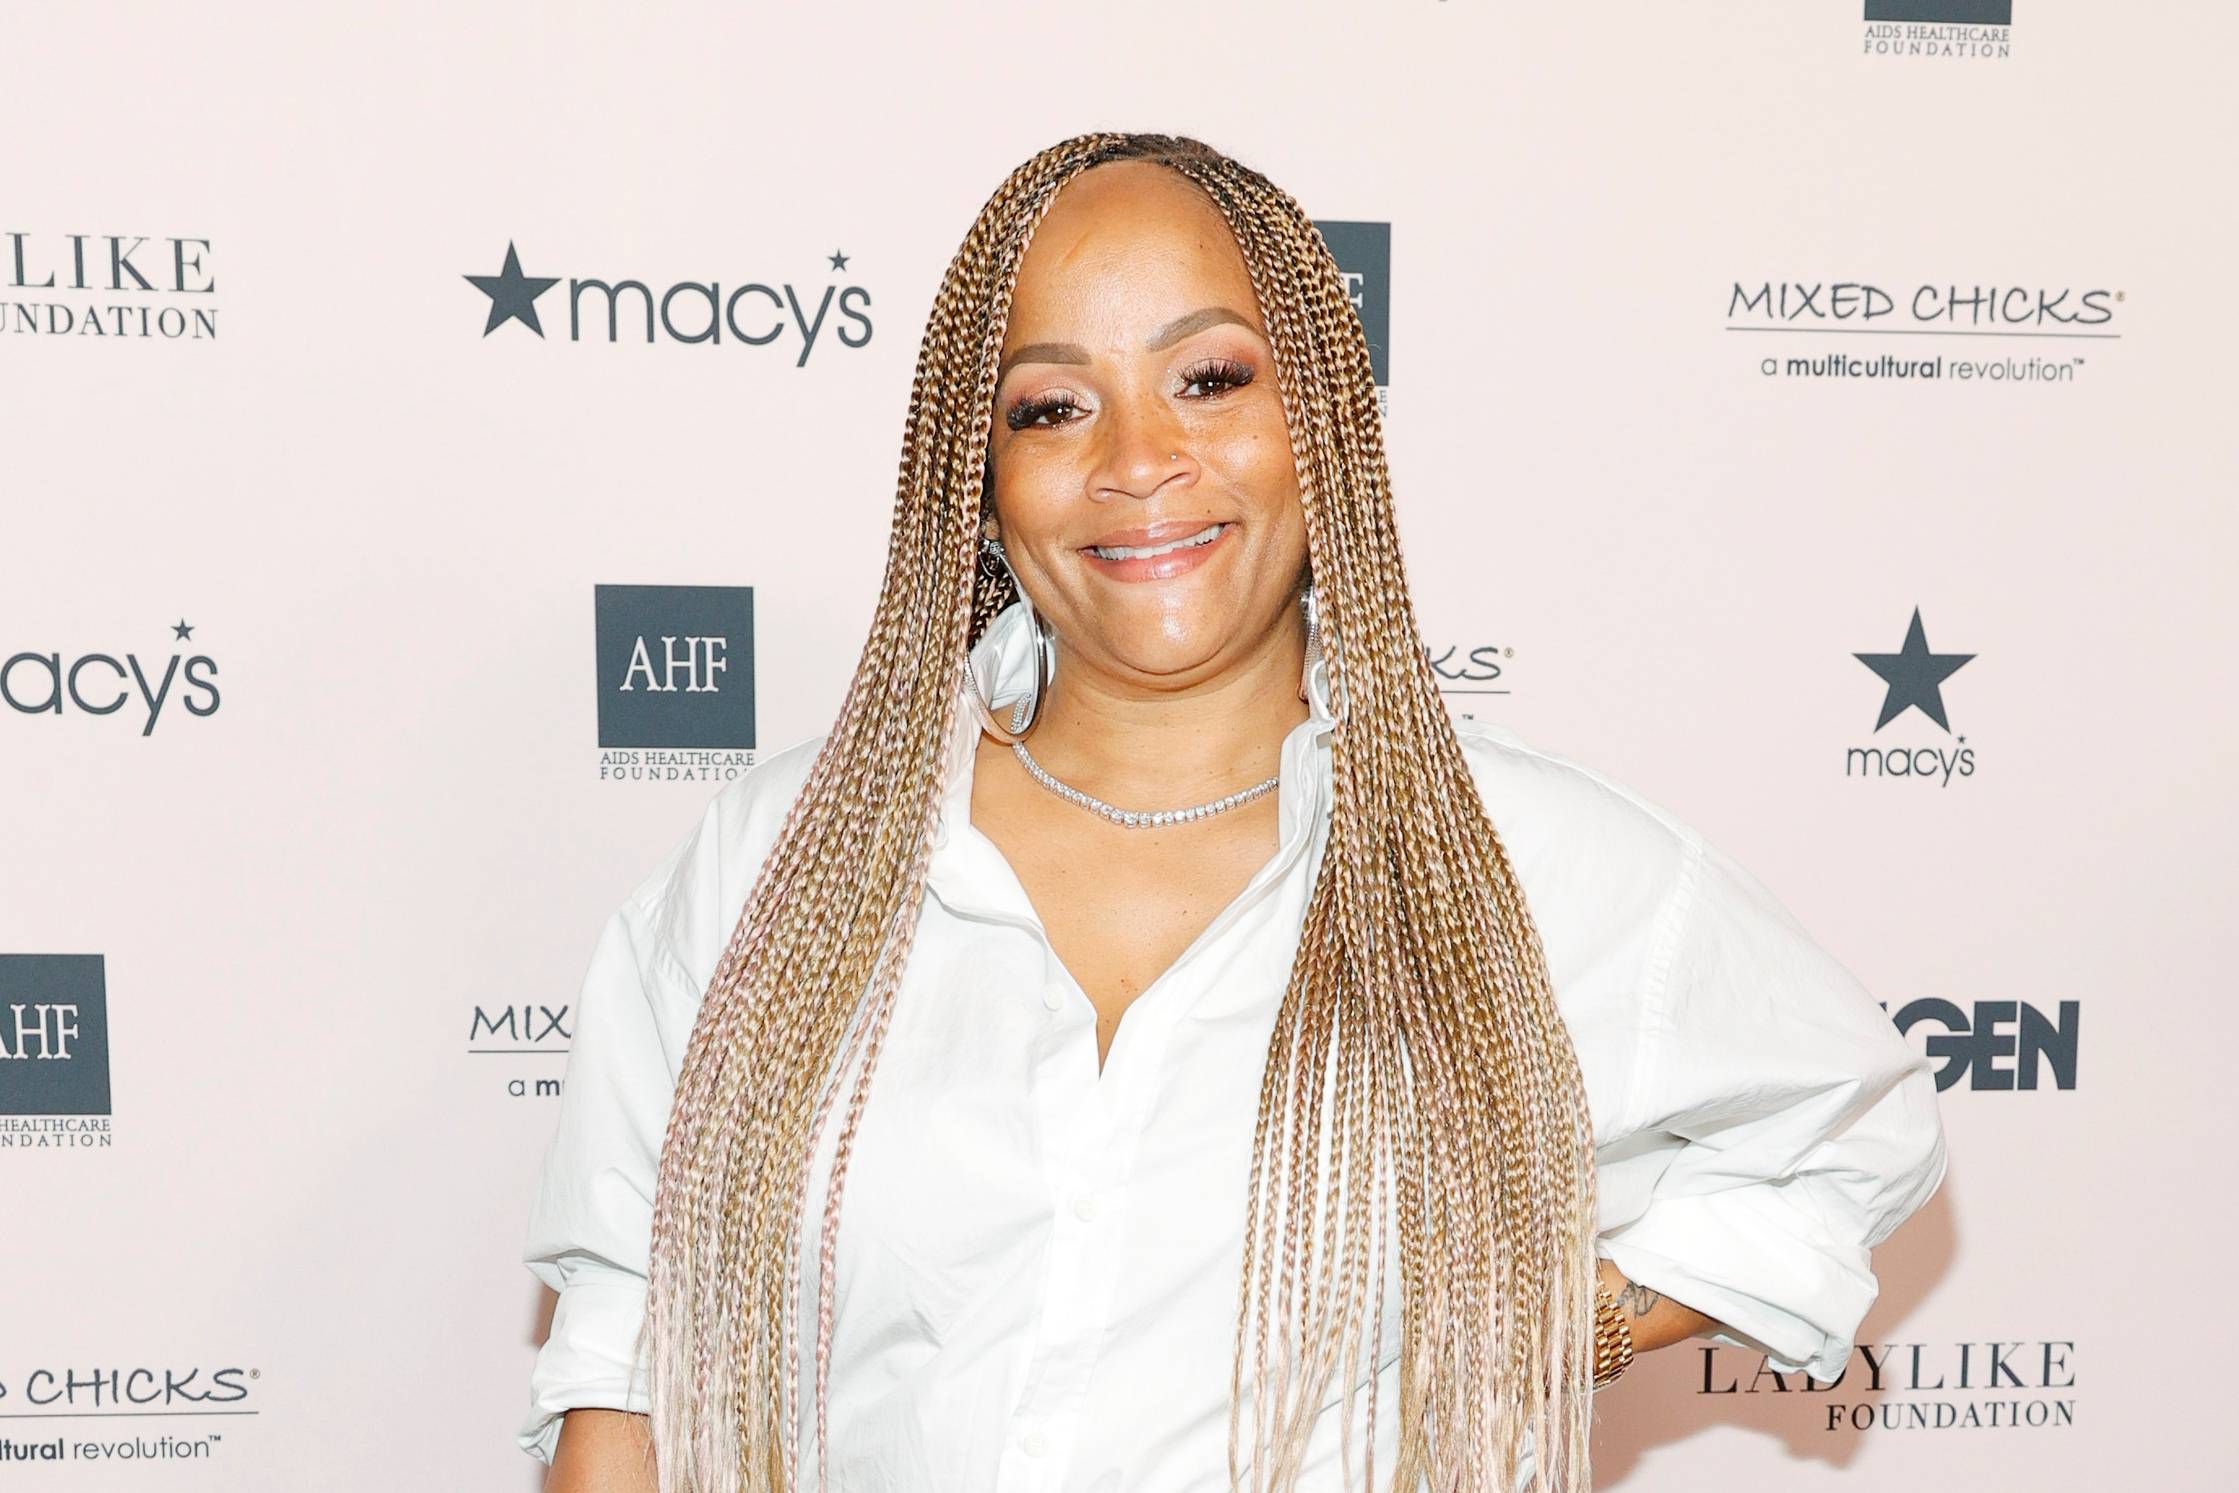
{"x": 1165, "y": 337}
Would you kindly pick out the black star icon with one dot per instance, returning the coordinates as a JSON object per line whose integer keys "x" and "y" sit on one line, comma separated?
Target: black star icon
{"x": 839, "y": 260}
{"x": 512, "y": 294}
{"x": 182, "y": 630}
{"x": 1914, "y": 675}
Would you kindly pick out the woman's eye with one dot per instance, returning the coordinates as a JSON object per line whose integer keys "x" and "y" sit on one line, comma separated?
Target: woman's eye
{"x": 1223, "y": 373}
{"x": 1047, "y": 411}
{"x": 1029, "y": 411}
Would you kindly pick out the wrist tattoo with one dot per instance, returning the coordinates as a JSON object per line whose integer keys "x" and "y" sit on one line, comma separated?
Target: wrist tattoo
{"x": 1637, "y": 1299}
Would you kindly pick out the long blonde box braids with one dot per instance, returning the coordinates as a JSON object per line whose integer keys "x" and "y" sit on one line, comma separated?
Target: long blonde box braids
{"x": 1418, "y": 1055}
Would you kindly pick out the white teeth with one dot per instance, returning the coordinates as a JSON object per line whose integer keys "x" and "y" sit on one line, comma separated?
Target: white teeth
{"x": 1205, "y": 535}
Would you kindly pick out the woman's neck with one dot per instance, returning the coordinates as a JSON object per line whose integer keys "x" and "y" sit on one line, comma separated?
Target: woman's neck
{"x": 1132, "y": 745}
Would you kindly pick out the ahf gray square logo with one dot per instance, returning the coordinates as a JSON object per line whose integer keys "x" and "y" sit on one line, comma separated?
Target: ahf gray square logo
{"x": 1363, "y": 252}
{"x": 676, "y": 666}
{"x": 1955, "y": 12}
{"x": 54, "y": 1035}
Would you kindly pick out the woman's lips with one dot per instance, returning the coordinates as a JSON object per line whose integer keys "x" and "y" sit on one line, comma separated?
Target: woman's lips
{"x": 1159, "y": 552}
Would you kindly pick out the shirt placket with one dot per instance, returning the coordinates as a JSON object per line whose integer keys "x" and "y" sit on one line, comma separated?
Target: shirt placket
{"x": 1092, "y": 1124}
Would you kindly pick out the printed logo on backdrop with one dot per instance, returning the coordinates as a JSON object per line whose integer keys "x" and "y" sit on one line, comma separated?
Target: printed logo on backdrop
{"x": 2021, "y": 1384}
{"x": 1993, "y": 1044}
{"x": 132, "y": 690}
{"x": 1912, "y": 693}
{"x": 1977, "y": 30}
{"x": 1469, "y": 673}
{"x": 109, "y": 287}
{"x": 675, "y": 667}
{"x": 1989, "y": 329}
{"x": 533, "y": 1031}
{"x": 1363, "y": 252}
{"x": 791, "y": 317}
{"x": 54, "y": 1052}
{"x": 82, "y": 1399}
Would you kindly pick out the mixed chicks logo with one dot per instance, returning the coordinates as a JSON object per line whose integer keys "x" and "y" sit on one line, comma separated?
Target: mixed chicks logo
{"x": 79, "y": 1398}
{"x": 1470, "y": 668}
{"x": 1958, "y": 314}
{"x": 524, "y": 1031}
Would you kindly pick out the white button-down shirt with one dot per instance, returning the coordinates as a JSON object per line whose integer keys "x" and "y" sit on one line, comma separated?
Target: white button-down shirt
{"x": 1038, "y": 1262}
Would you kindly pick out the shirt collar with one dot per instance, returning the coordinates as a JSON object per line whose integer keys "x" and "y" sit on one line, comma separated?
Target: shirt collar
{"x": 966, "y": 869}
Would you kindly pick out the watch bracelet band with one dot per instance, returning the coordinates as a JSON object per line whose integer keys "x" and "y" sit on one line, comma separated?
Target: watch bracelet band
{"x": 1613, "y": 1337}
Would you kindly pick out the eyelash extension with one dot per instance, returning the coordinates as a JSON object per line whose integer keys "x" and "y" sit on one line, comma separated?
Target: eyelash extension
{"x": 1026, "y": 411}
{"x": 1227, "y": 372}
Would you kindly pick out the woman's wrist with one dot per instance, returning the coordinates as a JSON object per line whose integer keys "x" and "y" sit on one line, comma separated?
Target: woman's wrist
{"x": 1652, "y": 1319}
{"x": 1613, "y": 1337}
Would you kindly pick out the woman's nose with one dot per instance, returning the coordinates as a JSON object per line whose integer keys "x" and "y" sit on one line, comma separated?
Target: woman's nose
{"x": 1144, "y": 452}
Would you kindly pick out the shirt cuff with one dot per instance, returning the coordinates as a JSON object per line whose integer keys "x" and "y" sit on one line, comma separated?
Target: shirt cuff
{"x": 586, "y": 1359}
{"x": 1736, "y": 1256}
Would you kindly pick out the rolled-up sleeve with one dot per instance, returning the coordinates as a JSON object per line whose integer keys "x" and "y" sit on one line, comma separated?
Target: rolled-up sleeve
{"x": 590, "y": 1233}
{"x": 1806, "y": 1130}
{"x": 590, "y": 1225}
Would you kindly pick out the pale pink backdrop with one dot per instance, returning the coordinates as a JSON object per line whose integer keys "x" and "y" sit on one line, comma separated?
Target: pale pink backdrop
{"x": 385, "y": 529}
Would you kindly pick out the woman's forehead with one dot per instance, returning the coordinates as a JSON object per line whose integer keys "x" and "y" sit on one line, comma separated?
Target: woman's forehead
{"x": 1125, "y": 209}
{"x": 1125, "y": 263}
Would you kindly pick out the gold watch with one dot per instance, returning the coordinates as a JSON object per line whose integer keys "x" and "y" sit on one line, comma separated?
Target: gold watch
{"x": 1613, "y": 1337}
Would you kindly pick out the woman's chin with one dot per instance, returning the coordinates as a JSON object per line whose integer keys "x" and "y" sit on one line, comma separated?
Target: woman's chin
{"x": 1188, "y": 659}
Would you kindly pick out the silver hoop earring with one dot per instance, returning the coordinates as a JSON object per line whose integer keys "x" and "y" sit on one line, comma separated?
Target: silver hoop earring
{"x": 1028, "y": 710}
{"x": 1317, "y": 658}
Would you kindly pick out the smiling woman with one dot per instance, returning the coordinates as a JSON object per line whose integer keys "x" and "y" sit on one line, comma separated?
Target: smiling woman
{"x": 1139, "y": 442}
{"x": 1235, "y": 1073}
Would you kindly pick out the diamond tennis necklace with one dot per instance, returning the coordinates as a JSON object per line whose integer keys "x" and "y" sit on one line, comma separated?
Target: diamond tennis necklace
{"x": 1137, "y": 818}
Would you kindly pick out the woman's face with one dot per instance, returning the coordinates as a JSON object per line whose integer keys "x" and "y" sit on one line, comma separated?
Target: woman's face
{"x": 1145, "y": 490}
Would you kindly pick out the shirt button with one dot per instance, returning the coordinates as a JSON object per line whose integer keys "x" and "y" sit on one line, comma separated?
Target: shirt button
{"x": 1033, "y": 1444}
{"x": 1084, "y": 1208}
{"x": 1051, "y": 998}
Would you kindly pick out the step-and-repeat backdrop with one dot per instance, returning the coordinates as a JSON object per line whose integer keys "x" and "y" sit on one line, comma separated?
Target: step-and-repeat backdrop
{"x": 1813, "y": 413}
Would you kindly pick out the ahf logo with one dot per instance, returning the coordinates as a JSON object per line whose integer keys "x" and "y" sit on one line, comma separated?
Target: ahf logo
{"x": 1363, "y": 252}
{"x": 1974, "y": 29}
{"x": 1952, "y": 12}
{"x": 54, "y": 1035}
{"x": 676, "y": 666}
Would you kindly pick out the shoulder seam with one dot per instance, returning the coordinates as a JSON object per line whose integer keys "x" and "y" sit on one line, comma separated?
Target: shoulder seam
{"x": 1509, "y": 741}
{"x": 656, "y": 891}
{"x": 1656, "y": 975}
